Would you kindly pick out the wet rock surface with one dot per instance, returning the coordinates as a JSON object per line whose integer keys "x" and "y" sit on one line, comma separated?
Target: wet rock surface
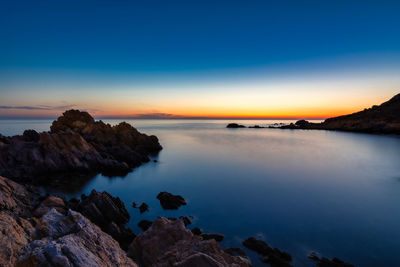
{"x": 216, "y": 237}
{"x": 78, "y": 143}
{"x": 169, "y": 243}
{"x": 169, "y": 201}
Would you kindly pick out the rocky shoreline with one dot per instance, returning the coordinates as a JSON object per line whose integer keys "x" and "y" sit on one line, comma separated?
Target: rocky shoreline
{"x": 382, "y": 119}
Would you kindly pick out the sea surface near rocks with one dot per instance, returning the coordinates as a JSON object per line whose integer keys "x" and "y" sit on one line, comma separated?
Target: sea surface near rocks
{"x": 332, "y": 192}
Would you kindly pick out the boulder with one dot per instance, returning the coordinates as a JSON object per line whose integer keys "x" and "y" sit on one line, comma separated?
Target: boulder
{"x": 216, "y": 237}
{"x": 169, "y": 201}
{"x": 145, "y": 224}
{"x": 325, "y": 262}
{"x": 168, "y": 243}
{"x": 72, "y": 240}
{"x": 143, "y": 207}
{"x": 49, "y": 203}
{"x": 109, "y": 213}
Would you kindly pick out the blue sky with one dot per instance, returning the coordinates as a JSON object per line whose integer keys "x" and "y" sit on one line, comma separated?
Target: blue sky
{"x": 174, "y": 49}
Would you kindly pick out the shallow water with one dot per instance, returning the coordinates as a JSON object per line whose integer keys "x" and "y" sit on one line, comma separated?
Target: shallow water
{"x": 331, "y": 192}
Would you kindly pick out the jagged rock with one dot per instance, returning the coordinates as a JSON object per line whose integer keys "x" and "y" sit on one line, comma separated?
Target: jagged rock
{"x": 169, "y": 201}
{"x": 168, "y": 243}
{"x": 235, "y": 252}
{"x": 76, "y": 143}
{"x": 143, "y": 207}
{"x": 49, "y": 203}
{"x": 235, "y": 125}
{"x": 109, "y": 213}
{"x": 275, "y": 257}
{"x": 216, "y": 237}
{"x": 72, "y": 240}
{"x": 197, "y": 231}
{"x": 186, "y": 221}
{"x": 145, "y": 224}
{"x": 325, "y": 262}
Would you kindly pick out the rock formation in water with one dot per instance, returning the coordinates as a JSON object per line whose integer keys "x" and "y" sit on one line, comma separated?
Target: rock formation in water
{"x": 235, "y": 125}
{"x": 382, "y": 119}
{"x": 169, "y": 243}
{"x": 169, "y": 201}
{"x": 77, "y": 143}
{"x": 35, "y": 232}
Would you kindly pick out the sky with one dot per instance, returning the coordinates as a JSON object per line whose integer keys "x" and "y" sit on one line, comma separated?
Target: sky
{"x": 217, "y": 59}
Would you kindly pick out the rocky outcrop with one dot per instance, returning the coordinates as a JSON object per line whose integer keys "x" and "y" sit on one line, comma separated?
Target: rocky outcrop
{"x": 168, "y": 243}
{"x": 76, "y": 143}
{"x": 169, "y": 201}
{"x": 43, "y": 232}
{"x": 109, "y": 213}
{"x": 382, "y": 119}
{"x": 272, "y": 256}
{"x": 235, "y": 125}
{"x": 72, "y": 240}
{"x": 325, "y": 262}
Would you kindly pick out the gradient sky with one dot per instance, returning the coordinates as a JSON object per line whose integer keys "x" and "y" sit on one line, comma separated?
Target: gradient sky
{"x": 297, "y": 59}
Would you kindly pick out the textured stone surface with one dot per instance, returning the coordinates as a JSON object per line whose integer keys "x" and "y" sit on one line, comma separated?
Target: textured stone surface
{"x": 72, "y": 240}
{"x": 169, "y": 243}
{"x": 76, "y": 143}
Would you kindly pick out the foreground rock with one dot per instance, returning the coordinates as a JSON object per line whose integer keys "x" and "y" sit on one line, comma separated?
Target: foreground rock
{"x": 273, "y": 256}
{"x": 382, "y": 119}
{"x": 169, "y": 201}
{"x": 76, "y": 143}
{"x": 109, "y": 213}
{"x": 72, "y": 240}
{"x": 53, "y": 238}
{"x": 168, "y": 243}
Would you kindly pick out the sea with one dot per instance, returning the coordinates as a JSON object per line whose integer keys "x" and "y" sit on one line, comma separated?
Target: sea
{"x": 335, "y": 193}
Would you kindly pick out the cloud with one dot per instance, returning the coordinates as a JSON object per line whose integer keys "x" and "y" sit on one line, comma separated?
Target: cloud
{"x": 157, "y": 116}
{"x": 40, "y": 107}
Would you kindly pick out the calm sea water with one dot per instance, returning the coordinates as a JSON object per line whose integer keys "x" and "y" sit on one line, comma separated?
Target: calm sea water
{"x": 301, "y": 191}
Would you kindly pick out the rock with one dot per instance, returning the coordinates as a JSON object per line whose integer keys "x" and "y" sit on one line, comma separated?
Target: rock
{"x": 143, "y": 207}
{"x": 109, "y": 213}
{"x": 76, "y": 143}
{"x": 216, "y": 237}
{"x": 197, "y": 231}
{"x": 325, "y": 262}
{"x": 382, "y": 119}
{"x": 275, "y": 257}
{"x": 134, "y": 205}
{"x": 168, "y": 243}
{"x": 186, "y": 221}
{"x": 235, "y": 125}
{"x": 145, "y": 224}
{"x": 72, "y": 240}
{"x": 258, "y": 246}
{"x": 257, "y": 127}
{"x": 235, "y": 252}
{"x": 169, "y": 201}
{"x": 54, "y": 239}
{"x": 49, "y": 203}
{"x": 154, "y": 160}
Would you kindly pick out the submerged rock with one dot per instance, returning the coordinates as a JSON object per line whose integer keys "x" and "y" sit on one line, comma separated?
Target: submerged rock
{"x": 168, "y": 243}
{"x": 169, "y": 201}
{"x": 325, "y": 262}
